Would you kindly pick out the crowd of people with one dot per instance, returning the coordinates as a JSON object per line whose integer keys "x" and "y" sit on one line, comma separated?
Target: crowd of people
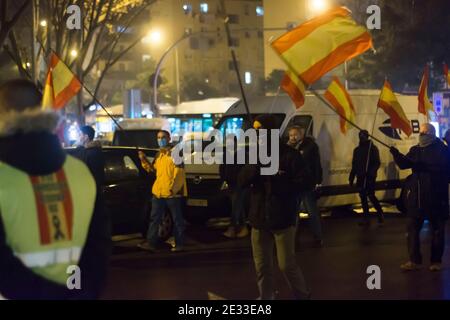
{"x": 52, "y": 214}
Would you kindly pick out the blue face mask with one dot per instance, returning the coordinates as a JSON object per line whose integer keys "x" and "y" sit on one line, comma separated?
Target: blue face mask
{"x": 162, "y": 142}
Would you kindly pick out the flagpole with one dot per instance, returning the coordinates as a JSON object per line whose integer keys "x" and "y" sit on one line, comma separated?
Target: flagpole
{"x": 236, "y": 68}
{"x": 350, "y": 122}
{"x": 370, "y": 148}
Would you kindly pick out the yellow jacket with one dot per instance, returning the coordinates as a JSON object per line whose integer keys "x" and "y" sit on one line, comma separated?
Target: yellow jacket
{"x": 170, "y": 178}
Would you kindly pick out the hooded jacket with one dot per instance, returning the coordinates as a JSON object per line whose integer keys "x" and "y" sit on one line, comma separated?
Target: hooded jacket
{"x": 27, "y": 143}
{"x": 426, "y": 189}
{"x": 365, "y": 172}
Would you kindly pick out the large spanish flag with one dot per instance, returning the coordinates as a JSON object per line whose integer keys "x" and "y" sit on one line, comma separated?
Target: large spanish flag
{"x": 341, "y": 101}
{"x": 294, "y": 87}
{"x": 319, "y": 45}
{"x": 424, "y": 102}
{"x": 61, "y": 85}
{"x": 389, "y": 103}
{"x": 447, "y": 77}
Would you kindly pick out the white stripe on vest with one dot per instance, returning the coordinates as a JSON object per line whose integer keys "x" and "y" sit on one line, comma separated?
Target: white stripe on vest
{"x": 46, "y": 258}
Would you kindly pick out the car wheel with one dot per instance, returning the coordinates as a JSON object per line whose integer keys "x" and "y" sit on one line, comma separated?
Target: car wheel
{"x": 166, "y": 226}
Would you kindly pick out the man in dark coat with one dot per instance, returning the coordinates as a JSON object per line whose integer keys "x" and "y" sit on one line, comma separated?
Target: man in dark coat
{"x": 273, "y": 209}
{"x": 426, "y": 195}
{"x": 365, "y": 164}
{"x": 310, "y": 152}
{"x": 90, "y": 152}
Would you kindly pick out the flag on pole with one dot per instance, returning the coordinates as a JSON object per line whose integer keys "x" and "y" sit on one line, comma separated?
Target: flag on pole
{"x": 321, "y": 44}
{"x": 61, "y": 85}
{"x": 294, "y": 87}
{"x": 341, "y": 101}
{"x": 447, "y": 77}
{"x": 389, "y": 103}
{"x": 424, "y": 102}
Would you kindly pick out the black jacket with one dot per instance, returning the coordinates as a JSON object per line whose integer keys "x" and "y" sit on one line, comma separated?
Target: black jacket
{"x": 426, "y": 189}
{"x": 310, "y": 152}
{"x": 230, "y": 172}
{"x": 92, "y": 156}
{"x": 359, "y": 164}
{"x": 273, "y": 199}
{"x": 41, "y": 154}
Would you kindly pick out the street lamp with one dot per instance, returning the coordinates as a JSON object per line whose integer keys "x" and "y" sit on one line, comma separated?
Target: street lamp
{"x": 73, "y": 53}
{"x": 318, "y": 6}
{"x": 43, "y": 23}
{"x": 153, "y": 37}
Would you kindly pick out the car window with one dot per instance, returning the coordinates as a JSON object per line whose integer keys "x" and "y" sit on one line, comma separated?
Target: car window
{"x": 119, "y": 167}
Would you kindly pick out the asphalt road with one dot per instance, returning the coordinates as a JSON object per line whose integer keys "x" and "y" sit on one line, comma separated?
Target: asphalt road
{"x": 214, "y": 267}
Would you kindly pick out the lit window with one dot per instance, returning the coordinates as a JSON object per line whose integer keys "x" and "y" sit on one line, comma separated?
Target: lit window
{"x": 248, "y": 77}
{"x": 203, "y": 7}
{"x": 187, "y": 8}
{"x": 259, "y": 11}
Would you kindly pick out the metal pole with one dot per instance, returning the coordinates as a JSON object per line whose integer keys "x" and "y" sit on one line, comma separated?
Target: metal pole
{"x": 33, "y": 45}
{"x": 236, "y": 68}
{"x": 370, "y": 148}
{"x": 177, "y": 76}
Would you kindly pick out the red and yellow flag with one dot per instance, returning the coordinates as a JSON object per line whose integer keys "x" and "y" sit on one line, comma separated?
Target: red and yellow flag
{"x": 341, "y": 101}
{"x": 424, "y": 102}
{"x": 447, "y": 77}
{"x": 389, "y": 103}
{"x": 320, "y": 44}
{"x": 294, "y": 87}
{"x": 61, "y": 85}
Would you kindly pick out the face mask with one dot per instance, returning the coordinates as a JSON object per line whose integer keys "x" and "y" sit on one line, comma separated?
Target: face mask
{"x": 162, "y": 142}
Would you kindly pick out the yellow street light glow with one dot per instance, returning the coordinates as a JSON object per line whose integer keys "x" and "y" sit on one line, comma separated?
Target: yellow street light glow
{"x": 43, "y": 23}
{"x": 74, "y": 53}
{"x": 28, "y": 64}
{"x": 153, "y": 37}
{"x": 318, "y": 5}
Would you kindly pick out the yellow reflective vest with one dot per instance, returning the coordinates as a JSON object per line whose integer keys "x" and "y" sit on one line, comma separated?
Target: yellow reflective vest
{"x": 47, "y": 218}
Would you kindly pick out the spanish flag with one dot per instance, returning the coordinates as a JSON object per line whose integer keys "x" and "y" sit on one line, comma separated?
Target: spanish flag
{"x": 294, "y": 87}
{"x": 341, "y": 101}
{"x": 61, "y": 85}
{"x": 447, "y": 77}
{"x": 424, "y": 102}
{"x": 389, "y": 103}
{"x": 319, "y": 45}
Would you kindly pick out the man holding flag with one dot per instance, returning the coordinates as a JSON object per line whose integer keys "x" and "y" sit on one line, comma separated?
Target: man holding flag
{"x": 426, "y": 195}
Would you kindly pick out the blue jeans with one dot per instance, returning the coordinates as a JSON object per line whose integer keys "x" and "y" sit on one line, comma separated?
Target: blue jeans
{"x": 309, "y": 201}
{"x": 175, "y": 206}
{"x": 238, "y": 199}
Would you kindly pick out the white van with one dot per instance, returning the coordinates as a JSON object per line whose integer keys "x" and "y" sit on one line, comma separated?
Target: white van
{"x": 336, "y": 149}
{"x": 139, "y": 132}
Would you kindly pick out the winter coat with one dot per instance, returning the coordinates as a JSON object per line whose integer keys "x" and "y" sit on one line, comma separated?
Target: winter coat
{"x": 94, "y": 159}
{"x": 426, "y": 189}
{"x": 365, "y": 173}
{"x": 310, "y": 152}
{"x": 273, "y": 198}
{"x": 39, "y": 152}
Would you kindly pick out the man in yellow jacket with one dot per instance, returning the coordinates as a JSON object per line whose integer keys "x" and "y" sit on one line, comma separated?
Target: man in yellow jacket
{"x": 168, "y": 191}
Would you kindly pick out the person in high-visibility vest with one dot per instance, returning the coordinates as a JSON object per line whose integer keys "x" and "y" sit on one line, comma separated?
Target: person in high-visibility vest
{"x": 54, "y": 233}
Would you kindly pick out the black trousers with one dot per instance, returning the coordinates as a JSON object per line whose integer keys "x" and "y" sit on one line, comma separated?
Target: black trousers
{"x": 370, "y": 193}
{"x": 437, "y": 241}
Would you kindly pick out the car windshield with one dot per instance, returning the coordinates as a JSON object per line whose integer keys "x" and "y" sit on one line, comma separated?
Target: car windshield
{"x": 136, "y": 138}
{"x": 231, "y": 124}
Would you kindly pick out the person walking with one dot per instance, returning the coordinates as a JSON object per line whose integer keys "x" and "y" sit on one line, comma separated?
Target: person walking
{"x": 365, "y": 165}
{"x": 426, "y": 195}
{"x": 310, "y": 152}
{"x": 273, "y": 208}
{"x": 51, "y": 216}
{"x": 169, "y": 190}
